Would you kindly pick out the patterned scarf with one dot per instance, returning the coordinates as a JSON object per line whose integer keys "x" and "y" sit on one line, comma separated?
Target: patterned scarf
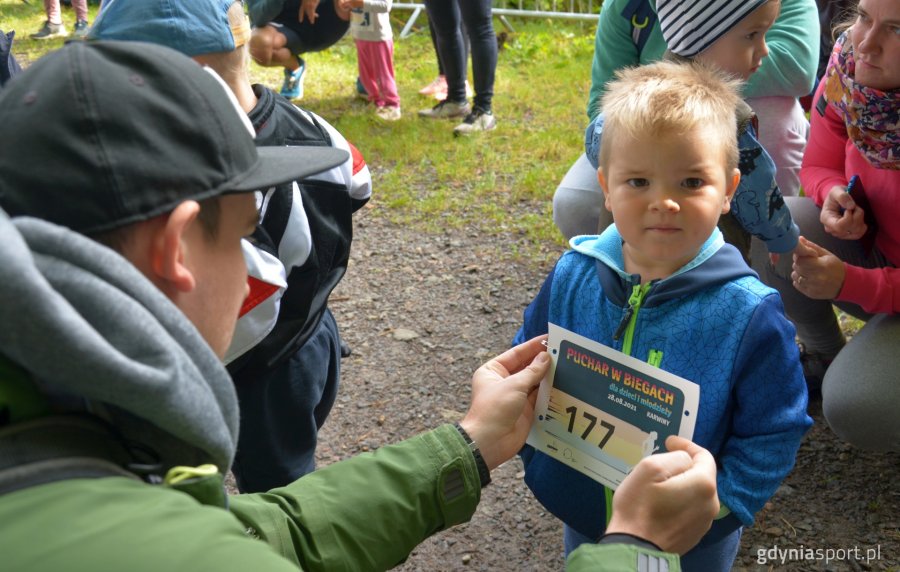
{"x": 871, "y": 115}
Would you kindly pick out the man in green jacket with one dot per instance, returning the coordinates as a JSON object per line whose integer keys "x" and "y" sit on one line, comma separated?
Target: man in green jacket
{"x": 128, "y": 170}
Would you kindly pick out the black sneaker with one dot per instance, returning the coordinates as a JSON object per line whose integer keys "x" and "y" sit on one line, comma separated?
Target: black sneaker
{"x": 446, "y": 110}
{"x": 49, "y": 31}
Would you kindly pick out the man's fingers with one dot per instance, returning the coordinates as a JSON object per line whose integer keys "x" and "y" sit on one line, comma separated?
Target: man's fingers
{"x": 515, "y": 358}
{"x": 530, "y": 377}
{"x": 701, "y": 458}
{"x": 662, "y": 466}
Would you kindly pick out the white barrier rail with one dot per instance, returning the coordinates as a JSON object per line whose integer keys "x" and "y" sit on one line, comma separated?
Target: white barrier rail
{"x": 520, "y": 11}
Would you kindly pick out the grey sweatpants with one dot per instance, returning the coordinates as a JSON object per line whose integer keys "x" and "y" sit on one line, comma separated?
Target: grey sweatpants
{"x": 861, "y": 389}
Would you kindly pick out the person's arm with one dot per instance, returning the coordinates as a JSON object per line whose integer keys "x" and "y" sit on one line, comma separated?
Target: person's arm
{"x": 758, "y": 204}
{"x": 768, "y": 416}
{"x": 613, "y": 49}
{"x": 827, "y": 277}
{"x": 824, "y": 158}
{"x": 790, "y": 68}
{"x": 370, "y": 511}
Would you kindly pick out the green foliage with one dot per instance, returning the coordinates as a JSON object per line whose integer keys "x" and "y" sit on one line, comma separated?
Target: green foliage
{"x": 500, "y": 182}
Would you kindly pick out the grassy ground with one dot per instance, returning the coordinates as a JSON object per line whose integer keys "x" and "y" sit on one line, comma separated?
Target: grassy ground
{"x": 422, "y": 175}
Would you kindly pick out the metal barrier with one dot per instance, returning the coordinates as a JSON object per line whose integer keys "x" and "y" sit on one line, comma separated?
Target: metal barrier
{"x": 577, "y": 10}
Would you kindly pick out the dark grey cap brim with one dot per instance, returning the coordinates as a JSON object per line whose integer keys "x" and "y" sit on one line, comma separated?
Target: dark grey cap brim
{"x": 278, "y": 165}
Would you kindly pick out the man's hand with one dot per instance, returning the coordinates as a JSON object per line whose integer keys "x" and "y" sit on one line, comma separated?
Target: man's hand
{"x": 308, "y": 10}
{"x": 817, "y": 273}
{"x": 503, "y": 394}
{"x": 669, "y": 499}
{"x": 841, "y": 216}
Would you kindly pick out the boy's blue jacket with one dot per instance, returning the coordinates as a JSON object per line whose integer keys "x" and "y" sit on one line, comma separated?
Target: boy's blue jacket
{"x": 715, "y": 324}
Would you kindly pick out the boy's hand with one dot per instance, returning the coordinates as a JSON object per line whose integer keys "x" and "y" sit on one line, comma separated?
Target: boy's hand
{"x": 503, "y": 394}
{"x": 669, "y": 499}
{"x": 817, "y": 273}
{"x": 841, "y": 216}
{"x": 308, "y": 10}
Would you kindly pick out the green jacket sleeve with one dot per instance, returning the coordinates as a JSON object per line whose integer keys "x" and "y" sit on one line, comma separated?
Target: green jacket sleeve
{"x": 613, "y": 49}
{"x": 790, "y": 67}
{"x": 620, "y": 558}
{"x": 368, "y": 512}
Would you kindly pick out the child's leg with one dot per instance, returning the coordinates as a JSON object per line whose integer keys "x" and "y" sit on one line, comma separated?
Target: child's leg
{"x": 81, "y": 9}
{"x": 572, "y": 539}
{"x": 282, "y": 409}
{"x": 383, "y": 66}
{"x": 713, "y": 555}
{"x": 51, "y": 8}
{"x": 367, "y": 71}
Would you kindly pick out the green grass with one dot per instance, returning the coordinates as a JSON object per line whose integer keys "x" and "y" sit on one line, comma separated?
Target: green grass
{"x": 423, "y": 177}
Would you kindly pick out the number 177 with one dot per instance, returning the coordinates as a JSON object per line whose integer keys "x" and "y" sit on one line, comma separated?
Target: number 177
{"x": 592, "y": 422}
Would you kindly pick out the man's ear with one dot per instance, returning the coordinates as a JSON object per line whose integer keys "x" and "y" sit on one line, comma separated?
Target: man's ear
{"x": 169, "y": 247}
{"x": 730, "y": 190}
{"x": 602, "y": 180}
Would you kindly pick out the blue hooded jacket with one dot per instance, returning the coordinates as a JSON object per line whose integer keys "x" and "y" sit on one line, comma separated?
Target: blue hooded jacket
{"x": 712, "y": 322}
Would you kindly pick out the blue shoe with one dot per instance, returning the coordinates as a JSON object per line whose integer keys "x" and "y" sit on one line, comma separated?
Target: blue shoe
{"x": 361, "y": 90}
{"x": 292, "y": 88}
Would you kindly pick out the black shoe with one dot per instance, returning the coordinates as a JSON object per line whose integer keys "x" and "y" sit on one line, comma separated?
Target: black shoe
{"x": 345, "y": 349}
{"x": 815, "y": 365}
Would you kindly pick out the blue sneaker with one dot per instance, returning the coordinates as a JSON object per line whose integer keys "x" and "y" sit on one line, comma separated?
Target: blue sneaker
{"x": 292, "y": 88}
{"x": 361, "y": 89}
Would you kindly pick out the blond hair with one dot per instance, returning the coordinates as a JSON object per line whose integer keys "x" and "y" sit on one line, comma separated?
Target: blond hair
{"x": 670, "y": 98}
{"x": 233, "y": 66}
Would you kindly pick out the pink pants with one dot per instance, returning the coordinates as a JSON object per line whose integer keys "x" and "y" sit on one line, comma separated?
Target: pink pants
{"x": 51, "y": 7}
{"x": 376, "y": 72}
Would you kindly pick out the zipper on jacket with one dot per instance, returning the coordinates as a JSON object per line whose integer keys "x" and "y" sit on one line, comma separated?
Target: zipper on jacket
{"x": 626, "y": 326}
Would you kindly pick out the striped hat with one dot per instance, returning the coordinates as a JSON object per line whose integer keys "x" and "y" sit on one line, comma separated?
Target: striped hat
{"x": 691, "y": 26}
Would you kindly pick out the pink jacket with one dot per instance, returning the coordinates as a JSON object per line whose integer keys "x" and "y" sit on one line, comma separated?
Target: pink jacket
{"x": 831, "y": 159}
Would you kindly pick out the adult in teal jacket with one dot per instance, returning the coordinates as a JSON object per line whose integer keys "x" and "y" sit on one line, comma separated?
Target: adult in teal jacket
{"x": 123, "y": 276}
{"x": 628, "y": 34}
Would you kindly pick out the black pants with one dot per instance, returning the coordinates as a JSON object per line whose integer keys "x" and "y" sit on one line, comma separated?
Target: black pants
{"x": 282, "y": 411}
{"x": 445, "y": 15}
{"x": 303, "y": 37}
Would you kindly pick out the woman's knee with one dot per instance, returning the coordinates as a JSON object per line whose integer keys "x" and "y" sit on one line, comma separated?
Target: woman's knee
{"x": 860, "y": 392}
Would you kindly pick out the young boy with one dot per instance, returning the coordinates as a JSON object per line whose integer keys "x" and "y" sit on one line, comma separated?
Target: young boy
{"x": 370, "y": 24}
{"x": 662, "y": 281}
{"x": 729, "y": 35}
{"x": 285, "y": 355}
